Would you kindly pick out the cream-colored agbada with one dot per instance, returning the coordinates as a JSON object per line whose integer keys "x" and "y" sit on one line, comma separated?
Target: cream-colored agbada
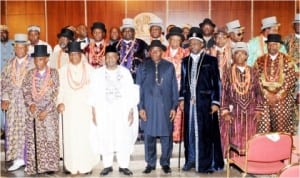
{"x": 77, "y": 117}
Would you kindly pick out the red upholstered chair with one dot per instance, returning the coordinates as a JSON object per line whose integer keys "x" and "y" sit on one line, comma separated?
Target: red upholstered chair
{"x": 290, "y": 171}
{"x": 265, "y": 154}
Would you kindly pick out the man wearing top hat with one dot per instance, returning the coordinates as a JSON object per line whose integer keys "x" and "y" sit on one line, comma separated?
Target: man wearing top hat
{"x": 158, "y": 103}
{"x": 12, "y": 101}
{"x": 174, "y": 54}
{"x": 292, "y": 44}
{"x": 200, "y": 100}
{"x": 114, "y": 99}
{"x": 277, "y": 80}
{"x": 257, "y": 46}
{"x": 132, "y": 50}
{"x": 208, "y": 28}
{"x": 235, "y": 32}
{"x": 40, "y": 88}
{"x": 74, "y": 80}
{"x": 60, "y": 57}
{"x": 34, "y": 39}
{"x": 96, "y": 49}
{"x": 156, "y": 31}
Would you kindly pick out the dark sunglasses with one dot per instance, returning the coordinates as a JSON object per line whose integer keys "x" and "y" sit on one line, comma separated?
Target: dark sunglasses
{"x": 239, "y": 34}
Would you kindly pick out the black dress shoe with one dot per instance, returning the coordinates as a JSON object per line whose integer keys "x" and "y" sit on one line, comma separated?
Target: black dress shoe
{"x": 49, "y": 172}
{"x": 188, "y": 166}
{"x": 105, "y": 171}
{"x": 125, "y": 171}
{"x": 166, "y": 169}
{"x": 148, "y": 169}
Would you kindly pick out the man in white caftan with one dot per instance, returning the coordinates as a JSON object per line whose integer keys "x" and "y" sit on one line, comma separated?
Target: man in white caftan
{"x": 114, "y": 98}
{"x": 77, "y": 113}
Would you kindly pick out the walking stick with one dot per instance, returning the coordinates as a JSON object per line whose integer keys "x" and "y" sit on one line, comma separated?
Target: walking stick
{"x": 181, "y": 127}
{"x": 5, "y": 141}
{"x": 35, "y": 146}
{"x": 62, "y": 140}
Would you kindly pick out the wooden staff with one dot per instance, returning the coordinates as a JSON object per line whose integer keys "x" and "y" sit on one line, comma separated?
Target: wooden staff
{"x": 5, "y": 141}
{"x": 35, "y": 145}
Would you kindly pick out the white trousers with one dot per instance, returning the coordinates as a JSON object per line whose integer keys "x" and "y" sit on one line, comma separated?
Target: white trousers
{"x": 123, "y": 159}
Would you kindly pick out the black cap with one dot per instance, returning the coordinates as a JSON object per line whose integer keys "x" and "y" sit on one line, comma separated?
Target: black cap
{"x": 157, "y": 43}
{"x": 74, "y": 46}
{"x": 99, "y": 25}
{"x": 175, "y": 31}
{"x": 207, "y": 21}
{"x": 111, "y": 49}
{"x": 40, "y": 51}
{"x": 66, "y": 33}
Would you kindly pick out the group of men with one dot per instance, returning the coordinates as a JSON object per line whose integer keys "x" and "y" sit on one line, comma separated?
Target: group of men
{"x": 94, "y": 91}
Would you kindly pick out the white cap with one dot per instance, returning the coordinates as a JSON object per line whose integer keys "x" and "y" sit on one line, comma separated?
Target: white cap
{"x": 297, "y": 18}
{"x": 240, "y": 46}
{"x": 269, "y": 22}
{"x": 234, "y": 26}
{"x": 21, "y": 38}
{"x": 34, "y": 28}
{"x": 127, "y": 23}
{"x": 156, "y": 22}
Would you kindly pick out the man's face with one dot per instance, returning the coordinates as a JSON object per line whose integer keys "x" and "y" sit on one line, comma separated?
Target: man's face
{"x": 155, "y": 32}
{"x": 40, "y": 62}
{"x": 273, "y": 47}
{"x": 207, "y": 30}
{"x": 195, "y": 46}
{"x": 114, "y": 34}
{"x": 111, "y": 60}
{"x": 175, "y": 41}
{"x": 128, "y": 33}
{"x": 20, "y": 50}
{"x": 63, "y": 42}
{"x": 156, "y": 53}
{"x": 221, "y": 39}
{"x": 240, "y": 57}
{"x": 75, "y": 57}
{"x": 237, "y": 36}
{"x": 34, "y": 37}
{"x": 297, "y": 28}
{"x": 4, "y": 36}
{"x": 98, "y": 34}
{"x": 185, "y": 32}
{"x": 82, "y": 31}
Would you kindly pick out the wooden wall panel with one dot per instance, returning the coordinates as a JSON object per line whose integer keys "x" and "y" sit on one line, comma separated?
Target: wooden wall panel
{"x": 223, "y": 12}
{"x": 3, "y": 12}
{"x": 283, "y": 10}
{"x": 61, "y": 14}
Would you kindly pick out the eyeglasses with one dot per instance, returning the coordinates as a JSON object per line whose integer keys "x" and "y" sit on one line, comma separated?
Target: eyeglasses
{"x": 239, "y": 34}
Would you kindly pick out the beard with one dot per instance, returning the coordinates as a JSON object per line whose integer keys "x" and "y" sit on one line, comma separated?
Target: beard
{"x": 4, "y": 38}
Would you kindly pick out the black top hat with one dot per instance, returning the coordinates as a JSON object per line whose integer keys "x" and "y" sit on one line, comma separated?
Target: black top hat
{"x": 157, "y": 43}
{"x": 111, "y": 49}
{"x": 40, "y": 51}
{"x": 274, "y": 38}
{"x": 175, "y": 31}
{"x": 99, "y": 25}
{"x": 74, "y": 46}
{"x": 66, "y": 33}
{"x": 195, "y": 33}
{"x": 207, "y": 21}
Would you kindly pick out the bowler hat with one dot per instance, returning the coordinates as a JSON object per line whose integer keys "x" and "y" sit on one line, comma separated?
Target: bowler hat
{"x": 274, "y": 38}
{"x": 74, "y": 46}
{"x": 65, "y": 32}
{"x": 175, "y": 31}
{"x": 157, "y": 43}
{"x": 99, "y": 25}
{"x": 40, "y": 51}
{"x": 207, "y": 21}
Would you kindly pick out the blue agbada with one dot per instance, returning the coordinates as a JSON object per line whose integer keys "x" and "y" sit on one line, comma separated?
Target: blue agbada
{"x": 158, "y": 96}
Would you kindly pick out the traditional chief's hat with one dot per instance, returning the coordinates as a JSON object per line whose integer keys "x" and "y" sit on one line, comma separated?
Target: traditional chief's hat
{"x": 74, "y": 46}
{"x": 65, "y": 32}
{"x": 99, "y": 25}
{"x": 33, "y": 28}
{"x": 195, "y": 33}
{"x": 157, "y": 43}
{"x": 234, "y": 26}
{"x": 40, "y": 51}
{"x": 156, "y": 22}
{"x": 127, "y": 23}
{"x": 274, "y": 38}
{"x": 3, "y": 28}
{"x": 240, "y": 46}
{"x": 175, "y": 31}
{"x": 21, "y": 38}
{"x": 297, "y": 18}
{"x": 269, "y": 22}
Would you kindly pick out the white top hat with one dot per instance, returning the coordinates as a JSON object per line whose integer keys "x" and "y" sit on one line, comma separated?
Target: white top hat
{"x": 34, "y": 28}
{"x": 156, "y": 22}
{"x": 21, "y": 38}
{"x": 297, "y": 18}
{"x": 240, "y": 46}
{"x": 127, "y": 23}
{"x": 269, "y": 22}
{"x": 3, "y": 27}
{"x": 234, "y": 26}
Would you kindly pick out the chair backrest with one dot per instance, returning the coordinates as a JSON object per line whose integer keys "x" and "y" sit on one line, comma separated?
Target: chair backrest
{"x": 292, "y": 170}
{"x": 269, "y": 147}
